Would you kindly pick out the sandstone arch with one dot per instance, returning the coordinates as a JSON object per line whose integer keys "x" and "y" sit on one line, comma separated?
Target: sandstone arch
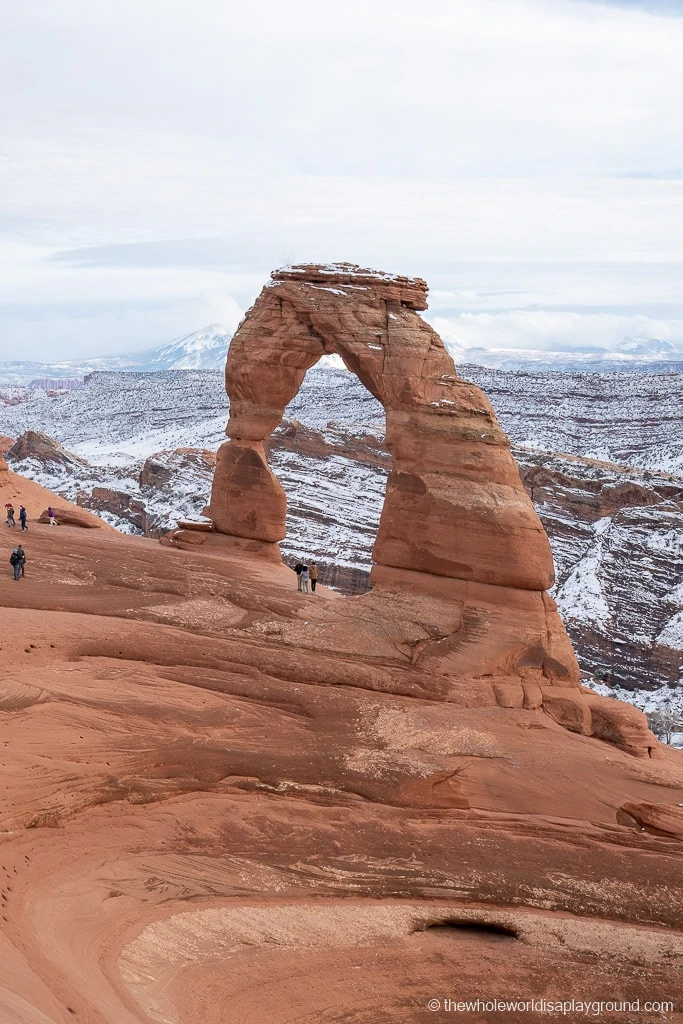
{"x": 454, "y": 505}
{"x": 457, "y": 526}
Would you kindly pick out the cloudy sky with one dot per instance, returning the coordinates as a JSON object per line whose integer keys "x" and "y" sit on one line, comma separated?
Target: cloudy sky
{"x": 159, "y": 157}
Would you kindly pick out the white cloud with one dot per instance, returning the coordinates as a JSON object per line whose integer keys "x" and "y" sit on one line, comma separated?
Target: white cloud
{"x": 515, "y": 152}
{"x": 551, "y": 331}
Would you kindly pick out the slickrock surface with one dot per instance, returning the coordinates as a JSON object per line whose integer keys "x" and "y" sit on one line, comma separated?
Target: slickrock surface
{"x": 226, "y": 801}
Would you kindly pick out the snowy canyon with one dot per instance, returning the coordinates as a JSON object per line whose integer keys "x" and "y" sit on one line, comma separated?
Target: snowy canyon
{"x": 601, "y": 456}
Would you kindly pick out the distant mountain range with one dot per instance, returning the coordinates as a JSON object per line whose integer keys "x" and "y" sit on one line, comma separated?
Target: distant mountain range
{"x": 207, "y": 348}
{"x": 630, "y": 354}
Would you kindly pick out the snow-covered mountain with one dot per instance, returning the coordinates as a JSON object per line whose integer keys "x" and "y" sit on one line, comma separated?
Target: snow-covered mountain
{"x": 205, "y": 349}
{"x": 651, "y": 348}
{"x": 630, "y": 356}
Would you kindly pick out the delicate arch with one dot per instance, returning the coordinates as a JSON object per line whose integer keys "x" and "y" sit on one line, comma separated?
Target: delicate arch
{"x": 455, "y": 505}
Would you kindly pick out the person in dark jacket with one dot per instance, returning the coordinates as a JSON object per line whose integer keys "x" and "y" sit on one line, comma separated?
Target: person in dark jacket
{"x": 10, "y": 514}
{"x": 18, "y": 561}
{"x": 298, "y": 569}
{"x": 22, "y": 517}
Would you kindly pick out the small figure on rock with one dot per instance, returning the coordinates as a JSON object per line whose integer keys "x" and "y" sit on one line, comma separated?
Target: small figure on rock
{"x": 18, "y": 561}
{"x": 10, "y": 514}
{"x": 298, "y": 569}
{"x": 51, "y": 515}
{"x": 313, "y": 573}
{"x": 22, "y": 517}
{"x": 305, "y": 576}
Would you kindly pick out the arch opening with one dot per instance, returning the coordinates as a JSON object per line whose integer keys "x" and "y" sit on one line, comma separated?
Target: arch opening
{"x": 329, "y": 455}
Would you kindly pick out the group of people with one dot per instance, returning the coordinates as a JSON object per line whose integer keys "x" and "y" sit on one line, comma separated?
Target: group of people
{"x": 18, "y": 557}
{"x": 306, "y": 574}
{"x": 9, "y": 509}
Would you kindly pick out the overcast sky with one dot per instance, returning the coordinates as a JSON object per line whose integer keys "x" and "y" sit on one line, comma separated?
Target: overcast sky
{"x": 159, "y": 157}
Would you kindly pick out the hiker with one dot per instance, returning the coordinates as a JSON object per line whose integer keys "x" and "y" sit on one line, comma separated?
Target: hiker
{"x": 298, "y": 569}
{"x": 10, "y": 514}
{"x": 22, "y": 517}
{"x": 305, "y": 576}
{"x": 313, "y": 573}
{"x": 51, "y": 515}
{"x": 17, "y": 561}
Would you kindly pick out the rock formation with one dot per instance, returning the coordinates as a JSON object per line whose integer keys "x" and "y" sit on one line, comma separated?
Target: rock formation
{"x": 456, "y": 522}
{"x": 455, "y": 505}
{"x": 327, "y": 465}
{"x": 35, "y": 445}
{"x": 226, "y": 801}
{"x": 119, "y": 504}
{"x": 67, "y": 514}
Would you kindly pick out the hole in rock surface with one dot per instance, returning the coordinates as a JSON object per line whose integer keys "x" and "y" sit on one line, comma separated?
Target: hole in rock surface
{"x": 485, "y": 929}
{"x": 328, "y": 453}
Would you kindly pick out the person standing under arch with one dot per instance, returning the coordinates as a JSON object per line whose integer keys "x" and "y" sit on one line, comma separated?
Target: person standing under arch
{"x": 313, "y": 573}
{"x": 305, "y": 576}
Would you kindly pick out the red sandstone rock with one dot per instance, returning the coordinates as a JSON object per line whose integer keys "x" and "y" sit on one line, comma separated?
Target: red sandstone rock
{"x": 456, "y": 519}
{"x": 218, "y": 792}
{"x": 34, "y": 445}
{"x": 67, "y": 514}
{"x": 621, "y": 724}
{"x": 665, "y": 819}
{"x": 158, "y": 470}
{"x": 215, "y": 786}
{"x": 455, "y": 505}
{"x": 120, "y": 503}
{"x": 254, "y": 503}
